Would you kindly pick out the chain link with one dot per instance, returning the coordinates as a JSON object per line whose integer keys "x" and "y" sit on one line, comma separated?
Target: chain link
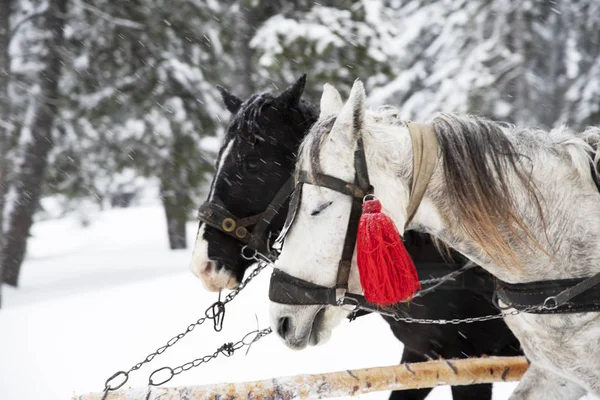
{"x": 227, "y": 349}
{"x": 216, "y": 313}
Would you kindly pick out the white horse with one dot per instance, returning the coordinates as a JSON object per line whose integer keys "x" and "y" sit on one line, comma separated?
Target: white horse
{"x": 519, "y": 202}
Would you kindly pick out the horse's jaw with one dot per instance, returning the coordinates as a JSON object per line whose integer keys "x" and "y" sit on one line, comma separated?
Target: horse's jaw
{"x": 306, "y": 325}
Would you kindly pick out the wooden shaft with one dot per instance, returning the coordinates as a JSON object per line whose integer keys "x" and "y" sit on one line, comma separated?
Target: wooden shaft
{"x": 342, "y": 383}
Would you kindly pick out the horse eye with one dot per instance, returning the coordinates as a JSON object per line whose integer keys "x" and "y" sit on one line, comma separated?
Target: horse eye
{"x": 320, "y": 208}
{"x": 251, "y": 165}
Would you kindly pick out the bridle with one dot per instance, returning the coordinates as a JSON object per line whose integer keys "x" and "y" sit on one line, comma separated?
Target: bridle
{"x": 252, "y": 231}
{"x": 287, "y": 289}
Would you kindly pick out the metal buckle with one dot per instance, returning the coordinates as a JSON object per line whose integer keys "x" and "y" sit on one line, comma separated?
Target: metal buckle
{"x": 348, "y": 303}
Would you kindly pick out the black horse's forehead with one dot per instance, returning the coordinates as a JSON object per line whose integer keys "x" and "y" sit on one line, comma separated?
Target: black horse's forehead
{"x": 250, "y": 117}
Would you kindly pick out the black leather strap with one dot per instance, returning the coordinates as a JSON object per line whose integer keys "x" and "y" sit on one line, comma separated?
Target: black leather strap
{"x": 521, "y": 296}
{"x": 217, "y": 216}
{"x": 287, "y": 289}
{"x": 333, "y": 183}
{"x": 360, "y": 168}
{"x": 345, "y": 263}
{"x": 258, "y": 238}
{"x": 214, "y": 214}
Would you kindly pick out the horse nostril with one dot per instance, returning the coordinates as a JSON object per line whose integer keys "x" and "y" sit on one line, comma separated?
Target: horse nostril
{"x": 210, "y": 267}
{"x": 283, "y": 326}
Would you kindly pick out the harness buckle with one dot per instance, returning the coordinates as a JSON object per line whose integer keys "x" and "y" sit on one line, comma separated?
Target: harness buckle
{"x": 348, "y": 303}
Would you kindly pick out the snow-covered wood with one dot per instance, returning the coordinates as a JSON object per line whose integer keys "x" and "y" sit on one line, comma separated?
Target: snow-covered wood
{"x": 342, "y": 383}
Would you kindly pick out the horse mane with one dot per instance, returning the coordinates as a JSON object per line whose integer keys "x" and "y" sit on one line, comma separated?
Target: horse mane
{"x": 310, "y": 147}
{"x": 480, "y": 162}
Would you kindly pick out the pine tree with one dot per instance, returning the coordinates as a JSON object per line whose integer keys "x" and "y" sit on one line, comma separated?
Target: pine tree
{"x": 582, "y": 63}
{"x": 142, "y": 96}
{"x": 332, "y": 41}
{"x": 30, "y": 178}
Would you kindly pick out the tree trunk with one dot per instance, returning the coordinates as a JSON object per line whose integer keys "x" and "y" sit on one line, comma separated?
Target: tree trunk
{"x": 174, "y": 193}
{"x": 175, "y": 224}
{"x": 175, "y": 212}
{"x": 5, "y": 119}
{"x": 28, "y": 183}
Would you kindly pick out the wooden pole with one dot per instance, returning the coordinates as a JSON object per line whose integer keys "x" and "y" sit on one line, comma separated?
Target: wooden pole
{"x": 342, "y": 383}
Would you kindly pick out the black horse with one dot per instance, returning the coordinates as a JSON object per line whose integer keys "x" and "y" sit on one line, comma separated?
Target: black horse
{"x": 258, "y": 157}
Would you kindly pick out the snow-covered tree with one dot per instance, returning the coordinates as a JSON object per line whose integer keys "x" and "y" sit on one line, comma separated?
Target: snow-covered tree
{"x": 141, "y": 96}
{"x": 582, "y": 63}
{"x": 332, "y": 41}
{"x": 503, "y": 59}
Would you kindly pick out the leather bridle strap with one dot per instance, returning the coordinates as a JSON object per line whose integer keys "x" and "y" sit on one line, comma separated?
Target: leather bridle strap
{"x": 258, "y": 237}
{"x": 357, "y": 190}
{"x": 362, "y": 179}
{"x": 217, "y": 216}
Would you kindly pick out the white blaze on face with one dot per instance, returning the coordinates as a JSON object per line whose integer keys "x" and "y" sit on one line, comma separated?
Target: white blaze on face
{"x": 202, "y": 266}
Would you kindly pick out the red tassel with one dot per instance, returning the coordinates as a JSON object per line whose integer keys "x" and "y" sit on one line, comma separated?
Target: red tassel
{"x": 387, "y": 273}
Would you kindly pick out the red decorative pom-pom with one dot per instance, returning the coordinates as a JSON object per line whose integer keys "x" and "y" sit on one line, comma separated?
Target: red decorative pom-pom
{"x": 387, "y": 273}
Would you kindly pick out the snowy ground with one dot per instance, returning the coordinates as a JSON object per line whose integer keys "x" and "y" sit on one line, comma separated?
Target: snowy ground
{"x": 98, "y": 299}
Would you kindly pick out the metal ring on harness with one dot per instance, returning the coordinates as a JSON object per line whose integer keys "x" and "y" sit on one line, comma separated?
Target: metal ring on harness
{"x": 550, "y": 303}
{"x": 245, "y": 256}
{"x": 368, "y": 197}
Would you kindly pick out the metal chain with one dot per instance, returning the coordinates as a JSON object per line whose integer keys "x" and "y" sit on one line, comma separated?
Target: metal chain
{"x": 216, "y": 313}
{"x": 455, "y": 321}
{"x": 227, "y": 349}
{"x": 449, "y": 276}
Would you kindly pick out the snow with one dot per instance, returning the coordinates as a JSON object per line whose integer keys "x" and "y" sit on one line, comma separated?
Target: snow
{"x": 94, "y": 300}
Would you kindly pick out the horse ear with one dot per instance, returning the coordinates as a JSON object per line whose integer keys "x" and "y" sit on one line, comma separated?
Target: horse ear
{"x": 232, "y": 102}
{"x": 291, "y": 96}
{"x": 353, "y": 112}
{"x": 331, "y": 101}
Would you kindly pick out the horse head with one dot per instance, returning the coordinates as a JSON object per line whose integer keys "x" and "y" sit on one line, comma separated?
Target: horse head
{"x": 255, "y": 160}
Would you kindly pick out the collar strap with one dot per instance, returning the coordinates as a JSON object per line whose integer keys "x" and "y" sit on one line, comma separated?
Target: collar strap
{"x": 425, "y": 156}
{"x": 559, "y": 296}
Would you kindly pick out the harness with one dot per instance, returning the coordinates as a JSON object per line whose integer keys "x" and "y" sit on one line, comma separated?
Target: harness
{"x": 252, "y": 231}
{"x": 540, "y": 297}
